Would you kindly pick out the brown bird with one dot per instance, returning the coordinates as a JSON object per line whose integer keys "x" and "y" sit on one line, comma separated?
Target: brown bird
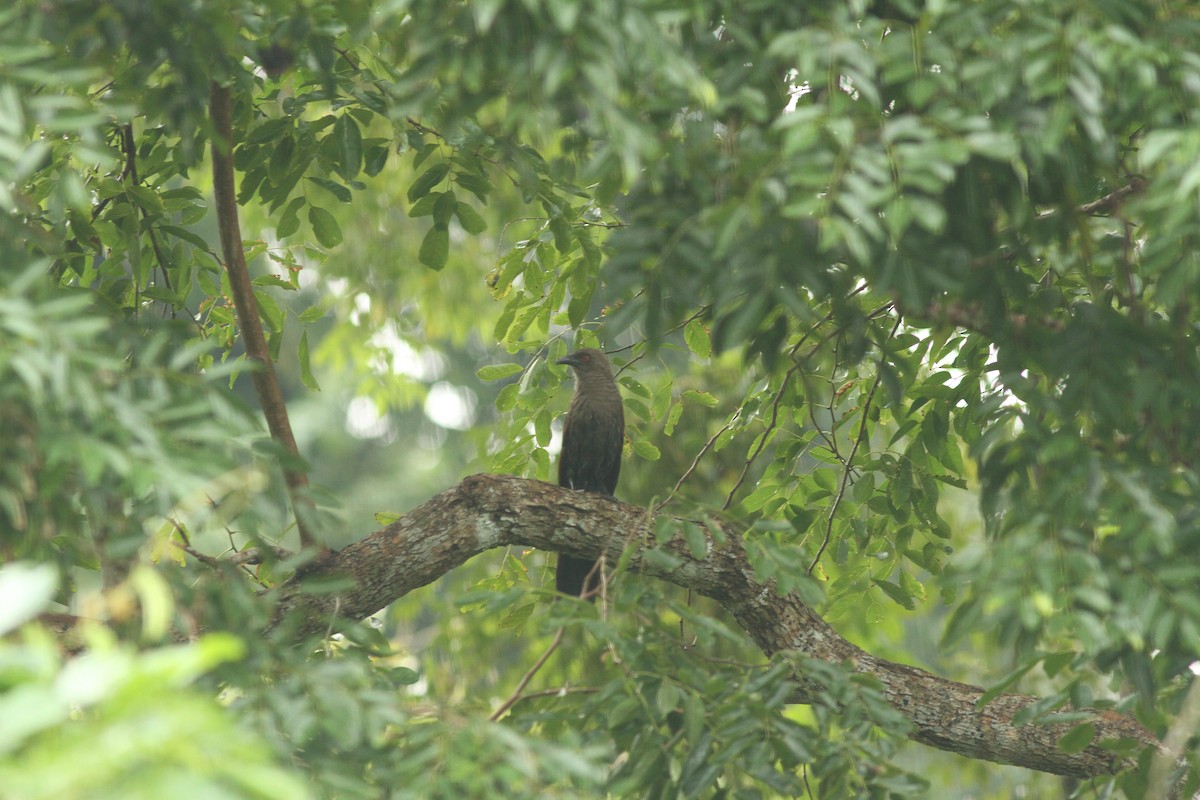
{"x": 591, "y": 450}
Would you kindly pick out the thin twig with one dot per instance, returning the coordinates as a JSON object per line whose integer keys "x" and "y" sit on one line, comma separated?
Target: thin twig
{"x": 682, "y": 323}
{"x": 762, "y": 443}
{"x": 254, "y": 555}
{"x": 479, "y": 153}
{"x": 766, "y": 434}
{"x": 559, "y": 692}
{"x": 783, "y": 385}
{"x": 186, "y": 546}
{"x": 695, "y": 461}
{"x": 130, "y": 173}
{"x": 858, "y": 440}
{"x": 830, "y": 440}
{"x": 516, "y": 695}
{"x": 628, "y": 363}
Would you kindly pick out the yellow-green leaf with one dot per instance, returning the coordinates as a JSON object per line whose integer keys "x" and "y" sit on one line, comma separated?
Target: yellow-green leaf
{"x": 697, "y": 338}
{"x": 495, "y": 372}
{"x": 306, "y": 375}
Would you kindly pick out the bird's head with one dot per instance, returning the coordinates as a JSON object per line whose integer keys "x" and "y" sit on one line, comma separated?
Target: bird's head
{"x": 588, "y": 362}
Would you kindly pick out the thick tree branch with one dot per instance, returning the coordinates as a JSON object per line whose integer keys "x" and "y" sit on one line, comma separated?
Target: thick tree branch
{"x": 266, "y": 385}
{"x": 487, "y": 511}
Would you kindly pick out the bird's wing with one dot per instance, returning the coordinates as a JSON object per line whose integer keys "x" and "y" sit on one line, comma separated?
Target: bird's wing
{"x": 591, "y": 454}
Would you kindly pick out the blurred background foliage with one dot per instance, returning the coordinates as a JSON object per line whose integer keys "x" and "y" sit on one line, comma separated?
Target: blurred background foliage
{"x": 905, "y": 291}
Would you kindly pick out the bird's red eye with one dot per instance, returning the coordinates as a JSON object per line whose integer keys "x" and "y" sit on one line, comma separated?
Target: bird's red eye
{"x": 585, "y": 358}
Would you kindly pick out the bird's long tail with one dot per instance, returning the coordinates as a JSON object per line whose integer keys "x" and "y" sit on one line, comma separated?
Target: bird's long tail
{"x": 571, "y": 574}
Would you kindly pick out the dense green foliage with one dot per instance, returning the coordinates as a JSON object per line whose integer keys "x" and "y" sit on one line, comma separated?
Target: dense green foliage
{"x": 905, "y": 291}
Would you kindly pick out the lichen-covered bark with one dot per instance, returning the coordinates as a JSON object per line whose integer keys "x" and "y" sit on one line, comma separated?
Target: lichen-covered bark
{"x": 486, "y": 511}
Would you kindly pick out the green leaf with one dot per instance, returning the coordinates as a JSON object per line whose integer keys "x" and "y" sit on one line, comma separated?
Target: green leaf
{"x": 485, "y": 13}
{"x": 427, "y": 180}
{"x": 696, "y": 335}
{"x": 333, "y": 187}
{"x": 696, "y": 541}
{"x": 1053, "y": 663}
{"x": 281, "y": 162}
{"x": 443, "y": 209}
{"x": 312, "y": 314}
{"x": 759, "y": 496}
{"x": 911, "y": 586}
{"x": 541, "y": 427}
{"x": 350, "y": 146}
{"x": 271, "y": 279}
{"x": 495, "y": 372}
{"x": 435, "y": 248}
{"x": 517, "y": 616}
{"x": 477, "y": 185}
{"x": 645, "y": 450}
{"x": 673, "y": 418}
{"x": 591, "y": 251}
{"x": 306, "y": 375}
{"x": 561, "y": 230}
{"x": 269, "y": 310}
{"x": 1078, "y": 738}
{"x": 326, "y": 228}
{"x": 289, "y": 218}
{"x": 183, "y": 233}
{"x": 507, "y": 399}
{"x": 703, "y": 398}
{"x": 662, "y": 559}
{"x": 146, "y": 198}
{"x": 424, "y": 207}
{"x": 406, "y": 675}
{"x": 469, "y": 218}
{"x": 375, "y": 158}
{"x": 893, "y": 591}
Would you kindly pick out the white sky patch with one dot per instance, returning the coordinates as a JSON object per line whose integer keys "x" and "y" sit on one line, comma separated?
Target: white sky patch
{"x": 362, "y": 308}
{"x": 451, "y": 406}
{"x": 397, "y": 357}
{"x": 307, "y": 278}
{"x": 556, "y": 436}
{"x": 989, "y": 382}
{"x": 795, "y": 91}
{"x": 363, "y": 420}
{"x": 337, "y": 286}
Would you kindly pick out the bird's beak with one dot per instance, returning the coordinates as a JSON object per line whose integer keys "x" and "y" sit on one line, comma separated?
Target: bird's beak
{"x": 570, "y": 361}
